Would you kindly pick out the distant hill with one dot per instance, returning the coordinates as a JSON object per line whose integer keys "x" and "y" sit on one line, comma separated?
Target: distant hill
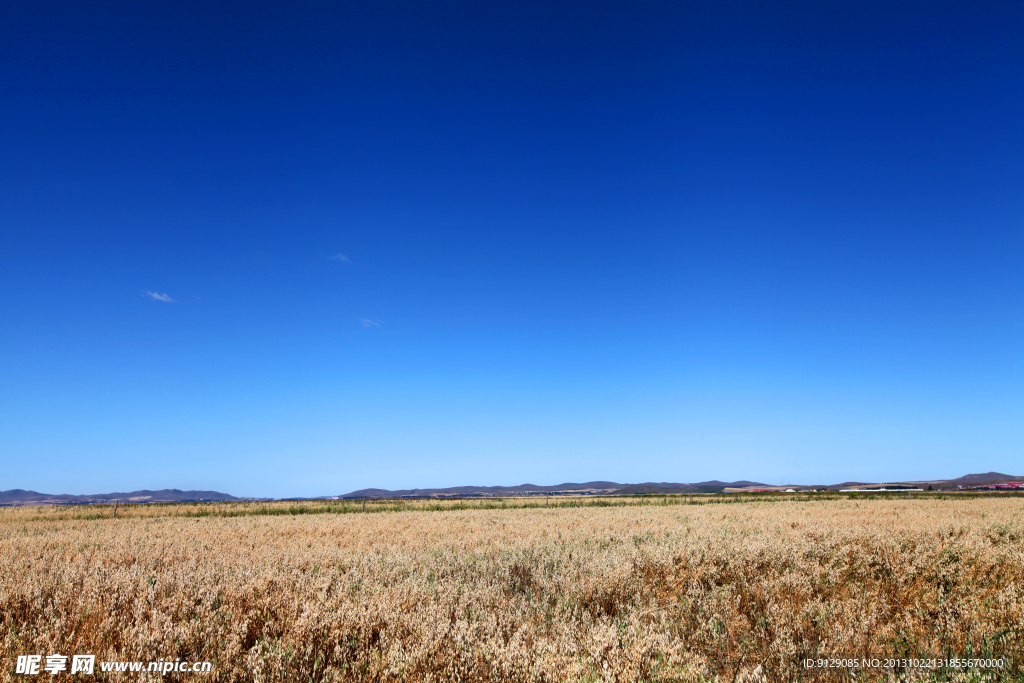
{"x": 613, "y": 488}
{"x": 472, "y": 491}
{"x": 22, "y": 497}
{"x": 965, "y": 482}
{"x": 590, "y": 487}
{"x": 986, "y": 478}
{"x": 713, "y": 486}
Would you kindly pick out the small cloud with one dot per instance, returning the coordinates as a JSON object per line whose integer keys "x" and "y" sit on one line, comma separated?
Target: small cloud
{"x": 339, "y": 257}
{"x": 166, "y": 298}
{"x": 366, "y": 322}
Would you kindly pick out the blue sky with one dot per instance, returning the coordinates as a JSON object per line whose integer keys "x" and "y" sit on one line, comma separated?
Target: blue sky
{"x": 300, "y": 249}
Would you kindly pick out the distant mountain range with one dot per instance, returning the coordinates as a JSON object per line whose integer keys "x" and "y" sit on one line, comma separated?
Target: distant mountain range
{"x": 22, "y": 497}
{"x": 612, "y": 488}
{"x": 568, "y": 489}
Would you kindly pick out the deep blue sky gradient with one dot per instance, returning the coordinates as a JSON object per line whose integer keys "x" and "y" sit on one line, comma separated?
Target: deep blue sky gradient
{"x": 626, "y": 241}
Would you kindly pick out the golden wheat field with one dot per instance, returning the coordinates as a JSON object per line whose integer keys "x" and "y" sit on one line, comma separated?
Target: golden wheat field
{"x": 692, "y": 592}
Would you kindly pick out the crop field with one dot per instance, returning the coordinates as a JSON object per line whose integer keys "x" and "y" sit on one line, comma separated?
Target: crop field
{"x": 669, "y": 590}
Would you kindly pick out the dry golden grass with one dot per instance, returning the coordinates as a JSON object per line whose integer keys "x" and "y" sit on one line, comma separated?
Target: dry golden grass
{"x": 39, "y": 513}
{"x": 657, "y": 593}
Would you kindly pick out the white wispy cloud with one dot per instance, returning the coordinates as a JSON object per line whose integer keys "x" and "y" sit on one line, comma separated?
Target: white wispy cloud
{"x": 366, "y": 322}
{"x": 156, "y": 296}
{"x": 340, "y": 257}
